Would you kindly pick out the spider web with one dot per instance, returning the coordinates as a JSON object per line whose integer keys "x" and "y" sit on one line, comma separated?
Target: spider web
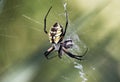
{"x": 78, "y": 46}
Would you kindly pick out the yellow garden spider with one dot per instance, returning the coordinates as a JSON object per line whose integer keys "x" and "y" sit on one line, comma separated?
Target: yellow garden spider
{"x": 56, "y": 35}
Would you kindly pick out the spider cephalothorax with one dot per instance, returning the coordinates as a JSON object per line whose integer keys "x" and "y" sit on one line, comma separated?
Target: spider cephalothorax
{"x": 56, "y": 36}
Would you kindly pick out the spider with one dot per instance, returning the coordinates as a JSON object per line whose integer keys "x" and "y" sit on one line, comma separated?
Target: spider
{"x": 56, "y": 36}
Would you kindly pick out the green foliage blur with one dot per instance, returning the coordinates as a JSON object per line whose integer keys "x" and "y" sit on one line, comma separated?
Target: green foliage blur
{"x": 23, "y": 41}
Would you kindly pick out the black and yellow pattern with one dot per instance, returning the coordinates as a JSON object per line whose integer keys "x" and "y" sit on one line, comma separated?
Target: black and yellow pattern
{"x": 55, "y": 33}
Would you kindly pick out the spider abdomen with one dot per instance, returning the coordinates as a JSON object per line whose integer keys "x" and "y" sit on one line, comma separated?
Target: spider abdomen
{"x": 55, "y": 33}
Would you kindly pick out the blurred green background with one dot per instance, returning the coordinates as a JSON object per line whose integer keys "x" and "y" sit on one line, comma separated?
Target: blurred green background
{"x": 23, "y": 42}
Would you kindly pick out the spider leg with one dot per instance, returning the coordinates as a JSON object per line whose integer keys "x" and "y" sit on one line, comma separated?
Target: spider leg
{"x": 45, "y": 20}
{"x": 85, "y": 52}
{"x": 71, "y": 55}
{"x": 66, "y": 25}
{"x": 60, "y": 52}
{"x": 49, "y": 51}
